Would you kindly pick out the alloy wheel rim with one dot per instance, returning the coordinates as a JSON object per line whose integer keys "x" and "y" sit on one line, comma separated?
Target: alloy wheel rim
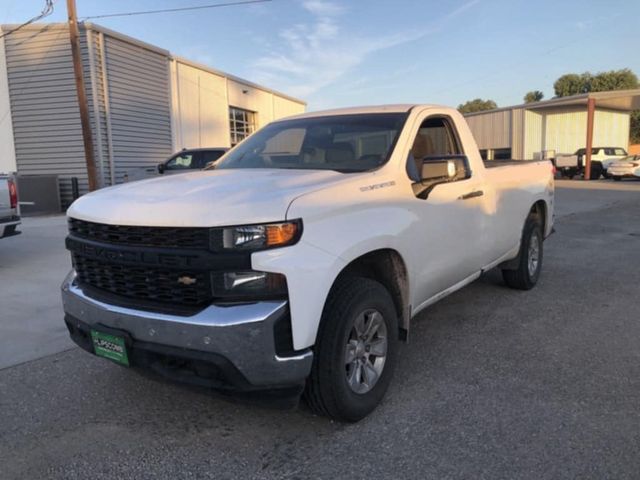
{"x": 534, "y": 254}
{"x": 366, "y": 351}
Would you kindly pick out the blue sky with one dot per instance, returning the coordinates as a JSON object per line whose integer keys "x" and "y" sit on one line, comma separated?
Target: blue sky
{"x": 335, "y": 53}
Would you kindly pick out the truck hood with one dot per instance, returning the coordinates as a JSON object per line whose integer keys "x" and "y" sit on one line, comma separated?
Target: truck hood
{"x": 202, "y": 198}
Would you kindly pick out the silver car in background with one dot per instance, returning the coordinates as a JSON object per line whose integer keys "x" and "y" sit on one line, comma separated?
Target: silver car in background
{"x": 9, "y": 209}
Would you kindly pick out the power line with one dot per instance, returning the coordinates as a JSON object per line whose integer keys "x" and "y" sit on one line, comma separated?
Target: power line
{"x": 171, "y": 10}
{"x": 46, "y": 11}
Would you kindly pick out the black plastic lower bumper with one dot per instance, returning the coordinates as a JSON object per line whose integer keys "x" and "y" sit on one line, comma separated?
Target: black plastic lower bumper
{"x": 201, "y": 369}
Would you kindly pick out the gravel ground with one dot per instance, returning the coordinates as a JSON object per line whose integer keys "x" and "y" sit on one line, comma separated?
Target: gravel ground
{"x": 494, "y": 383}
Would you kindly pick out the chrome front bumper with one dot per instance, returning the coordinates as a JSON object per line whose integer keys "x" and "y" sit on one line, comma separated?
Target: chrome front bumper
{"x": 243, "y": 334}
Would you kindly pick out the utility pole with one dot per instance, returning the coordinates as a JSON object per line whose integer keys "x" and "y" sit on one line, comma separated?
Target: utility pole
{"x": 87, "y": 137}
{"x": 591, "y": 108}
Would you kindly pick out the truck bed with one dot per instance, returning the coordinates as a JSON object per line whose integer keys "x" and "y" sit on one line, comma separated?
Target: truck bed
{"x": 503, "y": 163}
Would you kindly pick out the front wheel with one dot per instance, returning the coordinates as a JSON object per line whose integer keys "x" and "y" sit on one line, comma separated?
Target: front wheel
{"x": 355, "y": 351}
{"x": 526, "y": 275}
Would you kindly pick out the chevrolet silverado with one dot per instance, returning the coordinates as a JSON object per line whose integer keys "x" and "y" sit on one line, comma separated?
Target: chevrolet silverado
{"x": 295, "y": 263}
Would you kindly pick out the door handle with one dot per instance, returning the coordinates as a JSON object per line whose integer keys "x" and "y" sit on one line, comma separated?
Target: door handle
{"x": 474, "y": 194}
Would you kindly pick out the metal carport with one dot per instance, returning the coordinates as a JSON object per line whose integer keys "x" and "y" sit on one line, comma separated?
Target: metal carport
{"x": 621, "y": 100}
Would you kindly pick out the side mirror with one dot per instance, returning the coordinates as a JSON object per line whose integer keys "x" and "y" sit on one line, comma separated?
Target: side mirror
{"x": 438, "y": 169}
{"x": 161, "y": 168}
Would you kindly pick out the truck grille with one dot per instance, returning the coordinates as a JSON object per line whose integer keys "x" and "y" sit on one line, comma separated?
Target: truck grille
{"x": 182, "y": 237}
{"x": 143, "y": 283}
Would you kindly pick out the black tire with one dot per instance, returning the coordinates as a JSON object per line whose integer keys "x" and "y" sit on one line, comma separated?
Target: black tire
{"x": 596, "y": 171}
{"x": 523, "y": 278}
{"x": 327, "y": 391}
{"x": 617, "y": 179}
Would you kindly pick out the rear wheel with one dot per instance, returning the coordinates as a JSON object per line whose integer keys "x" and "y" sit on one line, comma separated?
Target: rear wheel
{"x": 526, "y": 275}
{"x": 596, "y": 170}
{"x": 355, "y": 351}
{"x": 617, "y": 179}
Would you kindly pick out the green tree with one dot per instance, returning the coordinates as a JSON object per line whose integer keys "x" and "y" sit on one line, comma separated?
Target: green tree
{"x": 477, "y": 105}
{"x": 634, "y": 133}
{"x": 572, "y": 84}
{"x": 533, "y": 96}
{"x": 623, "y": 79}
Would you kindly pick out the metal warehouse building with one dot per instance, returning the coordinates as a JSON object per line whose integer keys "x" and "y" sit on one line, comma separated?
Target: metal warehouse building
{"x": 524, "y": 131}
{"x": 144, "y": 102}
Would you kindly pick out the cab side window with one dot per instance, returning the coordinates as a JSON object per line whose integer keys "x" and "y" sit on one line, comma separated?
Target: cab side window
{"x": 182, "y": 161}
{"x": 435, "y": 137}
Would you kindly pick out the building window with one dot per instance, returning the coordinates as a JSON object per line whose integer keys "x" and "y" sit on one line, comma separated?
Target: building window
{"x": 242, "y": 124}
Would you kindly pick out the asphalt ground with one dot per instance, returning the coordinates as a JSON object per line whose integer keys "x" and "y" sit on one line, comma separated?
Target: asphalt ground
{"x": 494, "y": 383}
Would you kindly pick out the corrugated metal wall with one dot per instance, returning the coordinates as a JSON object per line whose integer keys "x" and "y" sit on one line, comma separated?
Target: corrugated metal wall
{"x": 46, "y": 119}
{"x": 98, "y": 109}
{"x": 129, "y": 91}
{"x": 139, "y": 105}
{"x": 7, "y": 148}
{"x": 532, "y": 134}
{"x": 566, "y": 131}
{"x": 128, "y": 95}
{"x": 491, "y": 130}
{"x": 528, "y": 132}
{"x": 517, "y": 137}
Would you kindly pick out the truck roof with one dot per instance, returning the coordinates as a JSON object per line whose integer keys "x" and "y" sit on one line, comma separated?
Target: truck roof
{"x": 397, "y": 108}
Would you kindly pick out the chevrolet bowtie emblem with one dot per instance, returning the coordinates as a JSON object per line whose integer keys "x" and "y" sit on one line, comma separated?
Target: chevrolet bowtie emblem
{"x": 187, "y": 280}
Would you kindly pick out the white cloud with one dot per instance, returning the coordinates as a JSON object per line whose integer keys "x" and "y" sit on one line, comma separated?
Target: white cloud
{"x": 323, "y": 8}
{"x": 316, "y": 54}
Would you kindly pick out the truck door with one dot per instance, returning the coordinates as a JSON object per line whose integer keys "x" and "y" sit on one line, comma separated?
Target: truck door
{"x": 452, "y": 219}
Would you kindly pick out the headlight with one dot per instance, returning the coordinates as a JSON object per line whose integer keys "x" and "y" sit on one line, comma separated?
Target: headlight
{"x": 248, "y": 284}
{"x": 256, "y": 237}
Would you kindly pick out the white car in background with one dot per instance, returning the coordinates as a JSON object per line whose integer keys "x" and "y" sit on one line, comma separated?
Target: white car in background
{"x": 601, "y": 158}
{"x": 627, "y": 167}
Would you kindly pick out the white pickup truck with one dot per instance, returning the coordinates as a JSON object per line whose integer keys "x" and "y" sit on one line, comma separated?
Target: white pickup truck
{"x": 9, "y": 210}
{"x": 297, "y": 261}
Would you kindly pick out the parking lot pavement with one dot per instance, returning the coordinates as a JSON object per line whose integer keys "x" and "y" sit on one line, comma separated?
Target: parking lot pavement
{"x": 580, "y": 197}
{"x": 32, "y": 266}
{"x": 495, "y": 383}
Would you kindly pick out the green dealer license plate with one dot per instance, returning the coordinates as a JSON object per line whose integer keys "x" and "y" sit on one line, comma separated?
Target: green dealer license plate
{"x": 110, "y": 346}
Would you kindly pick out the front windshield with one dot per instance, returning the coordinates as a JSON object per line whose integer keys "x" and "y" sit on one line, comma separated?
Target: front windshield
{"x": 345, "y": 143}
